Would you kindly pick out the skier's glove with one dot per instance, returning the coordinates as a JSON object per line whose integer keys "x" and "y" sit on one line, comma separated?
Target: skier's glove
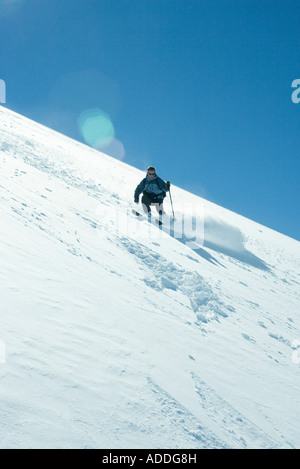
{"x": 136, "y": 200}
{"x": 168, "y": 185}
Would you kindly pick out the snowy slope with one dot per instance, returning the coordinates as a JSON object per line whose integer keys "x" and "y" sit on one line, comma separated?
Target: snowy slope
{"x": 114, "y": 334}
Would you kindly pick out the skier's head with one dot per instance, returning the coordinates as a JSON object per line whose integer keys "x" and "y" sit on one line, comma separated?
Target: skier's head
{"x": 151, "y": 172}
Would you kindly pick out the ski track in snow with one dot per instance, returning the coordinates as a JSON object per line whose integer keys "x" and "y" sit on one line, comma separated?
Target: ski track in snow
{"x": 182, "y": 419}
{"x": 166, "y": 275}
{"x": 229, "y": 421}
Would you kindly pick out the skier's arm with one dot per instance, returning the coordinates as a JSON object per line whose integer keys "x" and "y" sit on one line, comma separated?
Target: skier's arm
{"x": 139, "y": 189}
{"x": 164, "y": 186}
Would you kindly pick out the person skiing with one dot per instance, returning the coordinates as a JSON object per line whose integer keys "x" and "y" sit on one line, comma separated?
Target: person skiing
{"x": 154, "y": 191}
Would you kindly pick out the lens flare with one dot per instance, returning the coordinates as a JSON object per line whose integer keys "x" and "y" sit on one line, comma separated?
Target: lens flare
{"x": 114, "y": 149}
{"x": 86, "y": 89}
{"x": 10, "y": 7}
{"x": 96, "y": 128}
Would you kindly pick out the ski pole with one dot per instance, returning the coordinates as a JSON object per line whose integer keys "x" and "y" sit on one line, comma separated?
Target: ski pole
{"x": 171, "y": 204}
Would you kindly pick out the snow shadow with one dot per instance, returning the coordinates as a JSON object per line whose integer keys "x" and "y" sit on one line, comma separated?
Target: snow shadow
{"x": 200, "y": 251}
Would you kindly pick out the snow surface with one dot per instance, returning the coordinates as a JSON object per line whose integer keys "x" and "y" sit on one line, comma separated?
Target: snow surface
{"x": 114, "y": 334}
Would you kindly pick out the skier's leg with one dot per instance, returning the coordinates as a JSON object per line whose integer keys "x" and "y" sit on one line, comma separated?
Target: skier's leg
{"x": 160, "y": 209}
{"x": 146, "y": 202}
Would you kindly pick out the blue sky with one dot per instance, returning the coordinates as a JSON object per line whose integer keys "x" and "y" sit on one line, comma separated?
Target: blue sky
{"x": 199, "y": 88}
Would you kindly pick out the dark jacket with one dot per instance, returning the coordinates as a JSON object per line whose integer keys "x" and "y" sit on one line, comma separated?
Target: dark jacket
{"x": 155, "y": 188}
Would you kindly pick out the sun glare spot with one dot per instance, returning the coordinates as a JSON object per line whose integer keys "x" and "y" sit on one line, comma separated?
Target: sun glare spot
{"x": 96, "y": 128}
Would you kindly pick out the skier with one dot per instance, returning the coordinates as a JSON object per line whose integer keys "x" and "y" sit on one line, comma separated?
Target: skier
{"x": 154, "y": 191}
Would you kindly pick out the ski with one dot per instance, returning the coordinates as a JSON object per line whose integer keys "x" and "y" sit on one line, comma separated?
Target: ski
{"x": 138, "y": 214}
